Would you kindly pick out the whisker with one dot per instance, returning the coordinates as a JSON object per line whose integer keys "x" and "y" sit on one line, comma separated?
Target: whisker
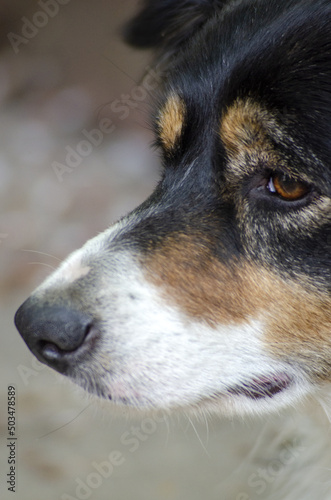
{"x": 41, "y": 253}
{"x": 43, "y": 264}
{"x": 197, "y": 434}
{"x": 67, "y": 423}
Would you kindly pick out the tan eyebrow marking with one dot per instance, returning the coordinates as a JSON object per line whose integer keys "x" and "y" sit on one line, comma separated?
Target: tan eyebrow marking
{"x": 170, "y": 121}
{"x": 249, "y": 133}
{"x": 245, "y": 126}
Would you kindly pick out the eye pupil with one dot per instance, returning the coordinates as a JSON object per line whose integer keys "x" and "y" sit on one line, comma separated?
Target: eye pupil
{"x": 287, "y": 188}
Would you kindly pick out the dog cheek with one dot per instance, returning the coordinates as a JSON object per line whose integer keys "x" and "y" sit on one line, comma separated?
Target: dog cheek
{"x": 298, "y": 330}
{"x": 190, "y": 277}
{"x": 297, "y": 320}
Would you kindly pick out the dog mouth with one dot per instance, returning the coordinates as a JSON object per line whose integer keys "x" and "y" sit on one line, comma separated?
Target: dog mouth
{"x": 262, "y": 387}
{"x": 259, "y": 388}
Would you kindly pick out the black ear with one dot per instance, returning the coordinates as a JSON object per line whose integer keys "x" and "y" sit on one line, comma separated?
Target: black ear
{"x": 168, "y": 23}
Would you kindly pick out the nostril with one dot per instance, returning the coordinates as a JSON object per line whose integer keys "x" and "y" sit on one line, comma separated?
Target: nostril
{"x": 88, "y": 329}
{"x": 49, "y": 351}
{"x": 52, "y": 351}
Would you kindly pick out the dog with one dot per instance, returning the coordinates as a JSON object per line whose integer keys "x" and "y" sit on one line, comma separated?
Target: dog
{"x": 215, "y": 293}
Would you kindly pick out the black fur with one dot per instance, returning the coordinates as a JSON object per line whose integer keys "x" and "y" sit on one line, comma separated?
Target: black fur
{"x": 169, "y": 23}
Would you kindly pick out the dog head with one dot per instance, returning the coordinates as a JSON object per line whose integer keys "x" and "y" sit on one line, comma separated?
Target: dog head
{"x": 215, "y": 293}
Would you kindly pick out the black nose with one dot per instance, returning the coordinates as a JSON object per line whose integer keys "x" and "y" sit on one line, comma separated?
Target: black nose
{"x": 57, "y": 335}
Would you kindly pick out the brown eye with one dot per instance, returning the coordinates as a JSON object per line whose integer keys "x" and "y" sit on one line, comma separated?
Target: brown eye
{"x": 286, "y": 187}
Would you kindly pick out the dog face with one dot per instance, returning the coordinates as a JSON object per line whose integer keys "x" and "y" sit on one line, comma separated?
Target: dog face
{"x": 215, "y": 293}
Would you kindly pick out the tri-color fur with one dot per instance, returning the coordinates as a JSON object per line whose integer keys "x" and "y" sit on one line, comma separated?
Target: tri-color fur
{"x": 216, "y": 292}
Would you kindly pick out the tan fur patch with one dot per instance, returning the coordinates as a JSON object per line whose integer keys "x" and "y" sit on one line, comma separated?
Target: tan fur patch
{"x": 201, "y": 286}
{"x": 299, "y": 327}
{"x": 243, "y": 127}
{"x": 171, "y": 120}
{"x": 297, "y": 322}
{"x": 247, "y": 132}
{"x": 192, "y": 281}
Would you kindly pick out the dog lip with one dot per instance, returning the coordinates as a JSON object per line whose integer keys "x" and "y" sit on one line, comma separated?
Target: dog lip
{"x": 262, "y": 387}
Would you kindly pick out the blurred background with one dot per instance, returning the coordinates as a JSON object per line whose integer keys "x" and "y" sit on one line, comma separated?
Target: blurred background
{"x": 65, "y": 74}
